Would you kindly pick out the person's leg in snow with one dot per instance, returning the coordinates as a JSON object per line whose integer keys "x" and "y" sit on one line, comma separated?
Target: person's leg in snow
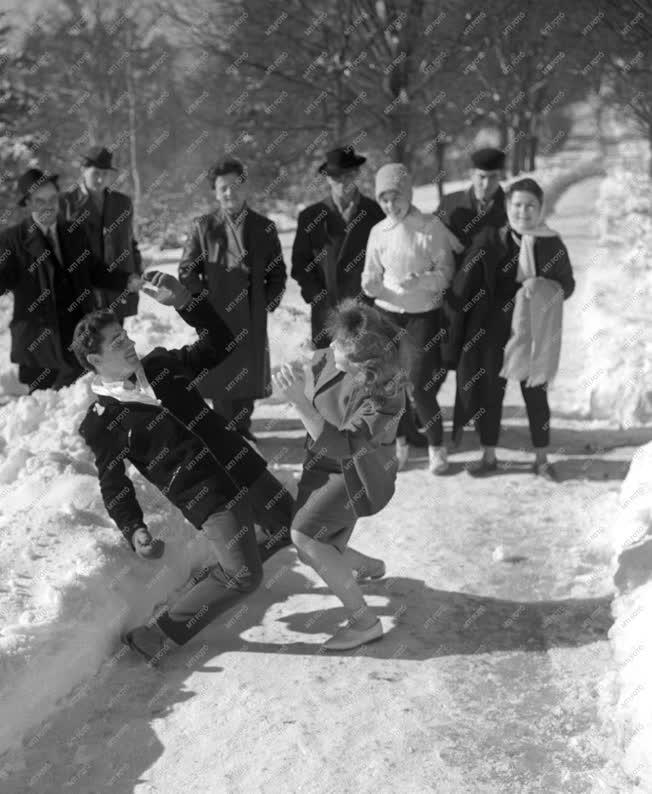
{"x": 239, "y": 571}
{"x": 232, "y": 534}
{"x": 538, "y": 414}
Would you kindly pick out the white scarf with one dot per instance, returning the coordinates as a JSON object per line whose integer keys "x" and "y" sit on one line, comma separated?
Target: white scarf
{"x": 533, "y": 350}
{"x": 526, "y": 262}
{"x": 127, "y": 392}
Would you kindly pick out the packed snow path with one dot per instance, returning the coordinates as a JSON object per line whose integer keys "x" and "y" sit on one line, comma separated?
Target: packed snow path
{"x": 496, "y": 607}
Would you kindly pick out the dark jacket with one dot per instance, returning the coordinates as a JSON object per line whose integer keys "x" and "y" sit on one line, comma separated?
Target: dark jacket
{"x": 28, "y": 269}
{"x": 458, "y": 211}
{"x": 203, "y": 264}
{"x": 360, "y": 435}
{"x": 183, "y": 447}
{"x": 328, "y": 256}
{"x": 482, "y": 318}
{"x": 111, "y": 235}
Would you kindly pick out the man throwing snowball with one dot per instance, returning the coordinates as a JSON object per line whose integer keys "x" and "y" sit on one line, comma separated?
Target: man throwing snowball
{"x": 149, "y": 412}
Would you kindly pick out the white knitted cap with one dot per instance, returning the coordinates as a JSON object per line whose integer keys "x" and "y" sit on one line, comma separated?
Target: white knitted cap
{"x": 394, "y": 176}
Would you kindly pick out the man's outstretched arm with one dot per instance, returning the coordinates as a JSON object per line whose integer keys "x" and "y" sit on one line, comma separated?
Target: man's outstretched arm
{"x": 215, "y": 340}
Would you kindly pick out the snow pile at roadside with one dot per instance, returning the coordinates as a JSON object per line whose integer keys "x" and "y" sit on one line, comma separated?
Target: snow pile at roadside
{"x": 72, "y": 584}
{"x": 620, "y": 294}
{"x": 629, "y": 686}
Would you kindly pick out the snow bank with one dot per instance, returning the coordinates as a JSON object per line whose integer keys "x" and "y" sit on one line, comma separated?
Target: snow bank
{"x": 629, "y": 685}
{"x": 71, "y": 584}
{"x": 620, "y": 293}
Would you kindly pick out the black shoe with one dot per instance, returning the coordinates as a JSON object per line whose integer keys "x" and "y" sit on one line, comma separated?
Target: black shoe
{"x": 482, "y": 468}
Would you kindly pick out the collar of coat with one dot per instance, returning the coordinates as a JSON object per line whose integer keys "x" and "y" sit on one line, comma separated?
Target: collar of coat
{"x": 35, "y": 241}
{"x": 237, "y": 221}
{"x": 497, "y": 200}
{"x": 80, "y": 195}
{"x": 360, "y": 203}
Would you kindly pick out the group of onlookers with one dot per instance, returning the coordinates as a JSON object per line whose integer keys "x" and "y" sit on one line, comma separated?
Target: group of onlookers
{"x": 397, "y": 299}
{"x": 449, "y": 281}
{"x": 72, "y": 253}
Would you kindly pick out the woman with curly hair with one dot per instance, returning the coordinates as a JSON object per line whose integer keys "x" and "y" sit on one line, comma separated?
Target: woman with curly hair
{"x": 350, "y": 400}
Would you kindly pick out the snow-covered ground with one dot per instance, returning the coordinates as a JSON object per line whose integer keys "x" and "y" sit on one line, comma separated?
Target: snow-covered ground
{"x": 620, "y": 294}
{"x": 67, "y": 575}
{"x": 72, "y": 584}
{"x": 629, "y": 705}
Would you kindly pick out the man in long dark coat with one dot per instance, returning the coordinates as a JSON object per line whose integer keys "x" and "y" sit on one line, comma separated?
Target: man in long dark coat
{"x": 53, "y": 272}
{"x": 106, "y": 216}
{"x": 467, "y": 213}
{"x": 329, "y": 249}
{"x": 236, "y": 254}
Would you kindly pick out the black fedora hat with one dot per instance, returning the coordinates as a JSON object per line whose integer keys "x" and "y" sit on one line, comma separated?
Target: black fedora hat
{"x": 99, "y": 157}
{"x": 488, "y": 159}
{"x": 32, "y": 180}
{"x": 341, "y": 159}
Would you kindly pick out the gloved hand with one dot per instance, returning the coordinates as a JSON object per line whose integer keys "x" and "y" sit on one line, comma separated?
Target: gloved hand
{"x": 147, "y": 547}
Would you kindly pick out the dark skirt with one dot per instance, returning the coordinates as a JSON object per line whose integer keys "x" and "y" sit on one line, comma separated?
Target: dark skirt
{"x": 323, "y": 506}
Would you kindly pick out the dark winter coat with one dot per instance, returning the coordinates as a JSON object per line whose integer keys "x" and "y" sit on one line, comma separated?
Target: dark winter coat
{"x": 328, "y": 257}
{"x": 111, "y": 234}
{"x": 481, "y": 317}
{"x": 203, "y": 264}
{"x": 459, "y": 212}
{"x": 182, "y": 447}
{"x": 42, "y": 324}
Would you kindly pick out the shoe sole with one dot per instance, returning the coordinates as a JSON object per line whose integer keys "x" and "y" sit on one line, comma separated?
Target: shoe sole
{"x": 483, "y": 472}
{"x": 370, "y": 578}
{"x": 127, "y": 639}
{"x": 353, "y": 647}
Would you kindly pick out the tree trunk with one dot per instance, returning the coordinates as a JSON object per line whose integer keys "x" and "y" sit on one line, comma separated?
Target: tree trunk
{"x": 341, "y": 118}
{"x": 440, "y": 158}
{"x": 133, "y": 144}
{"x": 533, "y": 143}
{"x": 503, "y": 131}
{"x": 516, "y": 156}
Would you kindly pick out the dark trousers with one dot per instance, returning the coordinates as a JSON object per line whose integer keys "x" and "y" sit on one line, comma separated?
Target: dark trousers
{"x": 44, "y": 378}
{"x": 319, "y": 312}
{"x": 236, "y": 412}
{"x": 239, "y": 570}
{"x": 420, "y": 344}
{"x": 240, "y": 413}
{"x": 536, "y": 404}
